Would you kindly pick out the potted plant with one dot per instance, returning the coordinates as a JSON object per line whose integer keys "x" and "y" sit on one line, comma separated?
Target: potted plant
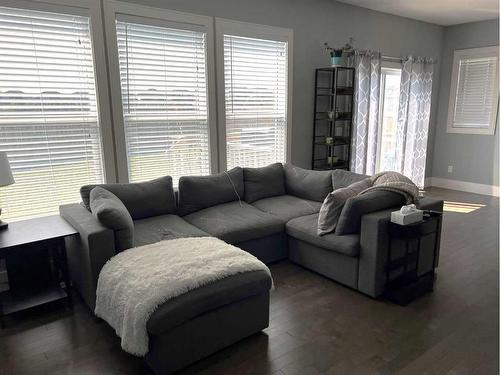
{"x": 337, "y": 54}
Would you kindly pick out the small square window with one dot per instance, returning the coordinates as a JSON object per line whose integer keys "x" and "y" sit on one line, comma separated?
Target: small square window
{"x": 474, "y": 91}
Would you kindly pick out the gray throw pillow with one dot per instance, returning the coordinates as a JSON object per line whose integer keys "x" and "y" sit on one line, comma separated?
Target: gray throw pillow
{"x": 109, "y": 209}
{"x": 334, "y": 202}
{"x": 342, "y": 178}
{"x": 307, "y": 184}
{"x": 142, "y": 199}
{"x": 199, "y": 192}
{"x": 112, "y": 213}
{"x": 264, "y": 182}
{"x": 355, "y": 207}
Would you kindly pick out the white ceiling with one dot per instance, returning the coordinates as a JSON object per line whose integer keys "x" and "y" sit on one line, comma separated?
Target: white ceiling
{"x": 440, "y": 12}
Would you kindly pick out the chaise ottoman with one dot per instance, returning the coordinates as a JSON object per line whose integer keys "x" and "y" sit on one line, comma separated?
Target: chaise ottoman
{"x": 177, "y": 301}
{"x": 205, "y": 320}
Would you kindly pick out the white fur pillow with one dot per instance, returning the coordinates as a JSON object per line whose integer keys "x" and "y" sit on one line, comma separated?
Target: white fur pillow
{"x": 334, "y": 202}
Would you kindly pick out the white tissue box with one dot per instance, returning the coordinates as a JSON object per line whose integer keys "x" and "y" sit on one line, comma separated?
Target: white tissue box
{"x": 408, "y": 218}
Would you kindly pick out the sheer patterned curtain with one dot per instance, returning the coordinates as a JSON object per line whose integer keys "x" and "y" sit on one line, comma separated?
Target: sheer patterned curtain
{"x": 366, "y": 112}
{"x": 413, "y": 118}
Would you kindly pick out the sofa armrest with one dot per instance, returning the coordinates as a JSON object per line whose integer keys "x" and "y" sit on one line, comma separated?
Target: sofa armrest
{"x": 374, "y": 244}
{"x": 88, "y": 252}
{"x": 433, "y": 204}
{"x": 374, "y": 241}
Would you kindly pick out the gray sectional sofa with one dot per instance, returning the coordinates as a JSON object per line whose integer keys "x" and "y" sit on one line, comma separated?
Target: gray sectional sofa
{"x": 271, "y": 212}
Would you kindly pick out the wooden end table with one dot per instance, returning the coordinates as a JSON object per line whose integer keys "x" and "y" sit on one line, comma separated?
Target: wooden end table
{"x": 35, "y": 256}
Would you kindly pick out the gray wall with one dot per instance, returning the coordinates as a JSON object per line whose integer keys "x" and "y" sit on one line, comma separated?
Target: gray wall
{"x": 313, "y": 23}
{"x": 474, "y": 157}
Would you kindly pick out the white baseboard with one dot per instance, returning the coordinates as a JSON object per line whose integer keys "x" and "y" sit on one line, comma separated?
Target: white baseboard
{"x": 470, "y": 187}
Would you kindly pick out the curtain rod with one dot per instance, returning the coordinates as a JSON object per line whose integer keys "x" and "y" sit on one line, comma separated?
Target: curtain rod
{"x": 402, "y": 59}
{"x": 393, "y": 58}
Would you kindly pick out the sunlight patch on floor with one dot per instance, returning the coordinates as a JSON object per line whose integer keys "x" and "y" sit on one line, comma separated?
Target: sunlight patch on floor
{"x": 461, "y": 207}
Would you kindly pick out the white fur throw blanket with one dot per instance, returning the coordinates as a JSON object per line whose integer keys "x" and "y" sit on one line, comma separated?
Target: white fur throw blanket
{"x": 135, "y": 282}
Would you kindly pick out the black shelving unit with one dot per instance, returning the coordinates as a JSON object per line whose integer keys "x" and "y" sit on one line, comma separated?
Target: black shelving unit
{"x": 333, "y": 106}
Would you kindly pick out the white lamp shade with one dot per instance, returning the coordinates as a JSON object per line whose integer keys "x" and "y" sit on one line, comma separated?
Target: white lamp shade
{"x": 6, "y": 177}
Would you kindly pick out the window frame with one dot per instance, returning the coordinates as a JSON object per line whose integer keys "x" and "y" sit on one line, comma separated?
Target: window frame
{"x": 91, "y": 9}
{"x": 386, "y": 66}
{"x": 250, "y": 30}
{"x": 155, "y": 16}
{"x": 457, "y": 56}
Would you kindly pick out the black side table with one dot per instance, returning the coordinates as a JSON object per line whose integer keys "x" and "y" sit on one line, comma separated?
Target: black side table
{"x": 35, "y": 257}
{"x": 413, "y": 255}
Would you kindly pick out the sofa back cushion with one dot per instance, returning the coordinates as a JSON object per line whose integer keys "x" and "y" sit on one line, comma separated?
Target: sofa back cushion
{"x": 112, "y": 213}
{"x": 332, "y": 207}
{"x": 342, "y": 178}
{"x": 264, "y": 182}
{"x": 142, "y": 199}
{"x": 355, "y": 207}
{"x": 307, "y": 184}
{"x": 198, "y": 192}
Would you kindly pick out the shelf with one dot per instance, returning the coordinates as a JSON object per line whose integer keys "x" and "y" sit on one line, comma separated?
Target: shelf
{"x": 328, "y": 168}
{"x": 343, "y": 116}
{"x": 340, "y": 91}
{"x": 337, "y": 82}
{"x": 401, "y": 262}
{"x": 340, "y": 164}
{"x": 336, "y": 120}
{"x": 334, "y": 144}
{"x": 332, "y": 69}
{"x": 21, "y": 300}
{"x": 326, "y": 112}
{"x": 338, "y": 88}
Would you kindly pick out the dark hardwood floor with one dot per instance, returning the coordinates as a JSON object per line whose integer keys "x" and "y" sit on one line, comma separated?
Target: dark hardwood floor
{"x": 317, "y": 326}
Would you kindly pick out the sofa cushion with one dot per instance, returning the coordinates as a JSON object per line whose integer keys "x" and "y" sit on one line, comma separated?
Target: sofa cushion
{"x": 163, "y": 227}
{"x": 142, "y": 199}
{"x": 286, "y": 207}
{"x": 112, "y": 213}
{"x": 307, "y": 184}
{"x": 355, "y": 207}
{"x": 342, "y": 178}
{"x": 304, "y": 229}
{"x": 264, "y": 182}
{"x": 109, "y": 209}
{"x": 199, "y": 192}
{"x": 334, "y": 203}
{"x": 235, "y": 222}
{"x": 207, "y": 298}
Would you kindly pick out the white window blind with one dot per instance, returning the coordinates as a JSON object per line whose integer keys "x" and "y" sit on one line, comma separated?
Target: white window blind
{"x": 48, "y": 110}
{"x": 475, "y": 99}
{"x": 255, "y": 80}
{"x": 164, "y": 95}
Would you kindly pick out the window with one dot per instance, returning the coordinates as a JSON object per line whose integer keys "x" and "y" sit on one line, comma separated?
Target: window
{"x": 390, "y": 84}
{"x": 49, "y": 121}
{"x": 256, "y": 99}
{"x": 164, "y": 96}
{"x": 474, "y": 91}
{"x": 161, "y": 85}
{"x": 162, "y": 77}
